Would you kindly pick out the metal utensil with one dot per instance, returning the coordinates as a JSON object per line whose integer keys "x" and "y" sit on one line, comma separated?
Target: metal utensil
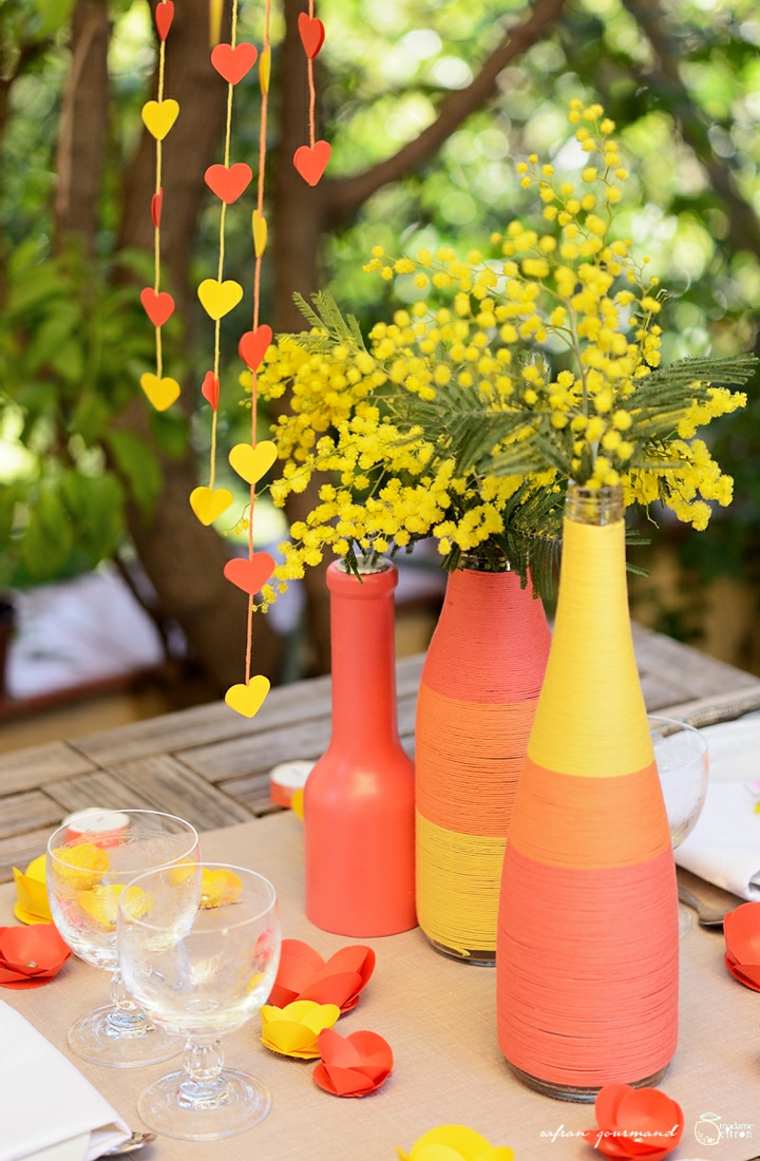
{"x": 135, "y": 1142}
{"x": 708, "y": 915}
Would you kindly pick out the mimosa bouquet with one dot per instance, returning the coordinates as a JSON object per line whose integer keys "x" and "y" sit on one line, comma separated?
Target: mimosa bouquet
{"x": 464, "y": 416}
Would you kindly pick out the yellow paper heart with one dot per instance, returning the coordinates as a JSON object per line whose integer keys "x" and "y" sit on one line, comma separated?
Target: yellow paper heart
{"x": 31, "y": 893}
{"x": 101, "y": 903}
{"x": 219, "y": 298}
{"x": 251, "y": 463}
{"x": 265, "y": 69}
{"x": 161, "y": 392}
{"x": 247, "y": 700}
{"x": 294, "y": 1030}
{"x": 260, "y": 232}
{"x": 83, "y": 865}
{"x": 447, "y": 1142}
{"x": 219, "y": 888}
{"x": 209, "y": 503}
{"x": 159, "y": 116}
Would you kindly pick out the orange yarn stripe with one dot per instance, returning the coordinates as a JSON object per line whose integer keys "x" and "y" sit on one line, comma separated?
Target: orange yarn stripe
{"x": 565, "y": 820}
{"x": 463, "y": 787}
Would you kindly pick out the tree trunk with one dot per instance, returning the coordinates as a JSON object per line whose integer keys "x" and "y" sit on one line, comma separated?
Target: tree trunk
{"x": 183, "y": 559}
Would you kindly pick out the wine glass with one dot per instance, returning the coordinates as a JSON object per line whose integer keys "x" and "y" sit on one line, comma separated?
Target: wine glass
{"x": 87, "y": 874}
{"x": 201, "y": 971}
{"x": 682, "y": 762}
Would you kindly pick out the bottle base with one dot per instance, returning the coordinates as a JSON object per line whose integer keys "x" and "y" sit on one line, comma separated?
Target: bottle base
{"x": 584, "y": 1096}
{"x": 476, "y": 958}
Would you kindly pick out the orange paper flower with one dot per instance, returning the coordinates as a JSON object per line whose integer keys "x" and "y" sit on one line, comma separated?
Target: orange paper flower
{"x": 304, "y": 975}
{"x": 31, "y": 956}
{"x": 352, "y": 1066}
{"x": 741, "y": 931}
{"x": 640, "y": 1123}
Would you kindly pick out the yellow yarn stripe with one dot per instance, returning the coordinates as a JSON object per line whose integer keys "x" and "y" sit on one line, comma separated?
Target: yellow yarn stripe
{"x": 458, "y": 881}
{"x": 593, "y": 606}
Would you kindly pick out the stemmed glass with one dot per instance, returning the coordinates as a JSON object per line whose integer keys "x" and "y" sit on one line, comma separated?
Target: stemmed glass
{"x": 87, "y": 875}
{"x": 682, "y": 763}
{"x": 201, "y": 973}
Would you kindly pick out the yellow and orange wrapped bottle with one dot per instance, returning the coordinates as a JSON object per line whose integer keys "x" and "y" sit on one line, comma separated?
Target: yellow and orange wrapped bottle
{"x": 587, "y": 960}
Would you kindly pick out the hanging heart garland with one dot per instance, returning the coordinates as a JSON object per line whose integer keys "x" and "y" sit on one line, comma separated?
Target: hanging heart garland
{"x": 159, "y": 117}
{"x": 311, "y": 160}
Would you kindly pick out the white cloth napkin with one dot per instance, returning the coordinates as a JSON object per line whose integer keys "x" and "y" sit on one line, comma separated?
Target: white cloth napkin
{"x": 47, "y": 1108}
{"x": 724, "y": 846}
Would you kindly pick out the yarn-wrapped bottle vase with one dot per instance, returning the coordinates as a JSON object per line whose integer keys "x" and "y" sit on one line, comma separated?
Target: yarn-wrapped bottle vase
{"x": 587, "y": 959}
{"x": 359, "y": 798}
{"x": 478, "y": 694}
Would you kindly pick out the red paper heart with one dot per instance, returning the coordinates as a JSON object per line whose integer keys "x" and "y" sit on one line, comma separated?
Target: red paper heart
{"x": 311, "y": 161}
{"x": 250, "y": 575}
{"x": 352, "y": 1066}
{"x": 312, "y": 33}
{"x": 159, "y": 307}
{"x": 156, "y": 206}
{"x": 253, "y": 346}
{"x": 229, "y": 182}
{"x": 234, "y": 63}
{"x": 164, "y": 17}
{"x": 30, "y": 956}
{"x": 210, "y": 388}
{"x": 304, "y": 975}
{"x": 635, "y": 1123}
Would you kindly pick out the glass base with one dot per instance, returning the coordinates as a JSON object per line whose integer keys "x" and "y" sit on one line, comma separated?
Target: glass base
{"x": 101, "y": 1037}
{"x": 478, "y": 958}
{"x": 583, "y": 1096}
{"x": 170, "y": 1108}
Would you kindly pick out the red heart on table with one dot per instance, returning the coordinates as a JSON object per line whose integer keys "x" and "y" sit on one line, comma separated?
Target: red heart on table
{"x": 249, "y": 575}
{"x": 159, "y": 306}
{"x": 312, "y": 33}
{"x": 311, "y": 161}
{"x": 164, "y": 17}
{"x": 253, "y": 346}
{"x": 233, "y": 64}
{"x": 156, "y": 206}
{"x": 228, "y": 182}
{"x": 210, "y": 388}
{"x": 354, "y": 1065}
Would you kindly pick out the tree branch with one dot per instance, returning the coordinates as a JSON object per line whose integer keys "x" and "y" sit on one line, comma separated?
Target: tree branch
{"x": 665, "y": 78}
{"x": 346, "y": 195}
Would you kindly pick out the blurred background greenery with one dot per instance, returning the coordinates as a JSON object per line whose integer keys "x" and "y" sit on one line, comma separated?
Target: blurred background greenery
{"x": 428, "y": 104}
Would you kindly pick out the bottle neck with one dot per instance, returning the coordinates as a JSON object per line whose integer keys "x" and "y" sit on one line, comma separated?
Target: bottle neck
{"x": 362, "y": 620}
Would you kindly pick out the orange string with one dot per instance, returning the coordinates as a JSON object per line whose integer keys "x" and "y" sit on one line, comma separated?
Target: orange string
{"x": 312, "y": 90}
{"x": 260, "y": 189}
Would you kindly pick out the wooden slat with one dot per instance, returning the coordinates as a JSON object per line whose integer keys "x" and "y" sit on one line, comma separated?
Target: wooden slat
{"x": 19, "y": 849}
{"x": 166, "y": 784}
{"x": 27, "y": 811}
{"x": 97, "y": 789}
{"x": 208, "y": 724}
{"x": 38, "y": 765}
{"x": 694, "y": 674}
{"x": 658, "y": 692}
{"x": 724, "y": 707}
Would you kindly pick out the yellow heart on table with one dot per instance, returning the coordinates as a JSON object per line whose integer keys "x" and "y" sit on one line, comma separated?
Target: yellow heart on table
{"x": 219, "y": 298}
{"x": 209, "y": 503}
{"x": 247, "y": 700}
{"x": 251, "y": 463}
{"x": 159, "y": 116}
{"x": 161, "y": 392}
{"x": 260, "y": 232}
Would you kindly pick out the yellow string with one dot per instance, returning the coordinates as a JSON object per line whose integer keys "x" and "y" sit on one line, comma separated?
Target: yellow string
{"x": 260, "y": 190}
{"x": 157, "y": 191}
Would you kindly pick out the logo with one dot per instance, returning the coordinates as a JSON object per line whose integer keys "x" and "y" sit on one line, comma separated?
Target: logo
{"x": 711, "y": 1129}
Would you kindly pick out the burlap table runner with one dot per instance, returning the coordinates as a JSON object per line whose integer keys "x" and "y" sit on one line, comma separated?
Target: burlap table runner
{"x": 439, "y": 1019}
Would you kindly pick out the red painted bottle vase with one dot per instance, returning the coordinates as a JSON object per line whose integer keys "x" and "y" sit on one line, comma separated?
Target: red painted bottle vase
{"x": 587, "y": 956}
{"x": 359, "y": 798}
{"x": 478, "y": 694}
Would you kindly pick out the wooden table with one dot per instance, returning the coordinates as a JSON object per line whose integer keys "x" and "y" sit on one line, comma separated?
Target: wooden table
{"x": 211, "y": 766}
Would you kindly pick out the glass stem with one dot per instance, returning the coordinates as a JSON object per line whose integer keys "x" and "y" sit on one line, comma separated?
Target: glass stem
{"x": 204, "y": 1086}
{"x": 125, "y": 1018}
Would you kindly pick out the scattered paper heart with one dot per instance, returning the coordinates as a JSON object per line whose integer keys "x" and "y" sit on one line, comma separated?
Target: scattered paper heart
{"x": 160, "y": 392}
{"x": 158, "y": 305}
{"x": 293, "y": 1031}
{"x": 640, "y": 1123}
{"x": 219, "y": 298}
{"x": 254, "y": 345}
{"x": 233, "y": 64}
{"x": 31, "y": 893}
{"x": 229, "y": 182}
{"x": 210, "y": 389}
{"x": 251, "y": 463}
{"x": 352, "y": 1066}
{"x": 312, "y": 33}
{"x": 249, "y": 575}
{"x": 247, "y": 700}
{"x": 164, "y": 17}
{"x": 455, "y": 1143}
{"x": 31, "y": 956}
{"x": 219, "y": 888}
{"x": 208, "y": 504}
{"x": 304, "y": 975}
{"x": 741, "y": 932}
{"x": 311, "y": 161}
{"x": 159, "y": 117}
